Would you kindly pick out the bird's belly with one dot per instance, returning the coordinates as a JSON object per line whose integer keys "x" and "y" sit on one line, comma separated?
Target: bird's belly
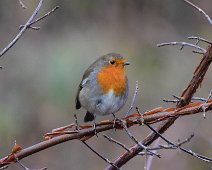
{"x": 108, "y": 104}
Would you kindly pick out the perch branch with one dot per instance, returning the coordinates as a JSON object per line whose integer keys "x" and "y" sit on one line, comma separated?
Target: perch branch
{"x": 87, "y": 131}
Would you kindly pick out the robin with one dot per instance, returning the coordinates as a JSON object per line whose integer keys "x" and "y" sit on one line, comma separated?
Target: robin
{"x": 104, "y": 87}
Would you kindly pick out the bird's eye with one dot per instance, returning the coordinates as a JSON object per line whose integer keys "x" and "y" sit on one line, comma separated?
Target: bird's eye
{"x": 112, "y": 62}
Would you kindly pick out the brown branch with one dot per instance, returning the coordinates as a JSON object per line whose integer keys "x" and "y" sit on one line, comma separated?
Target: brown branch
{"x": 197, "y": 79}
{"x": 186, "y": 96}
{"x": 87, "y": 131}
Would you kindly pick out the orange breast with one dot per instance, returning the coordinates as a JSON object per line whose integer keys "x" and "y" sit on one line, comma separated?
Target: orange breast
{"x": 111, "y": 78}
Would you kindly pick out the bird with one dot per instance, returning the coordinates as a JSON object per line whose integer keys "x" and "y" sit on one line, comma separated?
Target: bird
{"x": 103, "y": 89}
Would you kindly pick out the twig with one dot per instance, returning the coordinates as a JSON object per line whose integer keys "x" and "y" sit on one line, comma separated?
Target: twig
{"x": 198, "y": 99}
{"x": 22, "y": 30}
{"x": 24, "y": 167}
{"x": 203, "y": 158}
{"x": 116, "y": 142}
{"x": 177, "y": 99}
{"x": 146, "y": 151}
{"x": 192, "y": 99}
{"x": 159, "y": 147}
{"x": 150, "y": 158}
{"x": 199, "y": 39}
{"x": 4, "y": 167}
{"x": 183, "y": 44}
{"x": 22, "y": 4}
{"x": 102, "y": 157}
{"x": 186, "y": 140}
{"x": 210, "y": 95}
{"x": 200, "y": 10}
{"x": 135, "y": 140}
{"x": 133, "y": 100}
{"x": 206, "y": 101}
{"x": 44, "y": 16}
{"x": 171, "y": 100}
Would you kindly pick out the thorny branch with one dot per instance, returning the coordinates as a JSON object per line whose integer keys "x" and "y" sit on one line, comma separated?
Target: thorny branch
{"x": 186, "y": 96}
{"x": 85, "y": 132}
{"x": 185, "y": 99}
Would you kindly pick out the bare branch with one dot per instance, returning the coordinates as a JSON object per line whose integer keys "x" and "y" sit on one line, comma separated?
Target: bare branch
{"x": 135, "y": 140}
{"x": 199, "y": 39}
{"x": 116, "y": 142}
{"x": 200, "y": 10}
{"x": 4, "y": 167}
{"x": 203, "y": 158}
{"x": 87, "y": 131}
{"x": 44, "y": 16}
{"x": 150, "y": 158}
{"x": 186, "y": 140}
{"x": 25, "y": 168}
{"x": 22, "y": 4}
{"x": 22, "y": 30}
{"x": 183, "y": 44}
{"x": 102, "y": 157}
{"x": 134, "y": 97}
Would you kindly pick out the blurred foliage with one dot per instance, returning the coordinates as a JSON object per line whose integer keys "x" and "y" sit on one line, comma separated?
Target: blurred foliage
{"x": 42, "y": 72}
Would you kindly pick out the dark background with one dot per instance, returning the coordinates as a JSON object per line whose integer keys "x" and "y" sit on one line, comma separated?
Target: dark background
{"x": 42, "y": 72}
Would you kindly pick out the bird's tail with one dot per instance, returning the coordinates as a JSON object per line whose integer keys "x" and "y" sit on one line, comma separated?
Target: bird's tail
{"x": 88, "y": 117}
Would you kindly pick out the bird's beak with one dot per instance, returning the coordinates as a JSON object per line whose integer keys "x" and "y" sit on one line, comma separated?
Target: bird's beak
{"x": 126, "y": 63}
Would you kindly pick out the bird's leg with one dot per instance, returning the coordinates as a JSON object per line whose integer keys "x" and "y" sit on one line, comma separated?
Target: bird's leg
{"x": 114, "y": 120}
{"x": 94, "y": 125}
